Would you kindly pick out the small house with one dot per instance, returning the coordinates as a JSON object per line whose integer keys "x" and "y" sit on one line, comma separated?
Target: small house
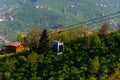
{"x": 14, "y": 47}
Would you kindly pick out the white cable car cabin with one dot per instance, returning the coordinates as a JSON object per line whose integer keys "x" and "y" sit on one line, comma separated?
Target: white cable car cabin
{"x": 57, "y": 47}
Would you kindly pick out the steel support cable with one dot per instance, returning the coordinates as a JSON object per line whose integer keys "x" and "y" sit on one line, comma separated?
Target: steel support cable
{"x": 102, "y": 20}
{"x": 93, "y": 20}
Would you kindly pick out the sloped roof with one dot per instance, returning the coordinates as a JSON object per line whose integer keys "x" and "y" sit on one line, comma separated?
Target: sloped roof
{"x": 13, "y": 43}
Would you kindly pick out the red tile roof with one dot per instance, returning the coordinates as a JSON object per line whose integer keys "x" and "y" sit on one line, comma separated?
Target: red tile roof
{"x": 15, "y": 44}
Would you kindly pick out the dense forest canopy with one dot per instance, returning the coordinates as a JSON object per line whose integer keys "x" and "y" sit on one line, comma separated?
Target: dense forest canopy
{"x": 86, "y": 56}
{"x": 91, "y": 52}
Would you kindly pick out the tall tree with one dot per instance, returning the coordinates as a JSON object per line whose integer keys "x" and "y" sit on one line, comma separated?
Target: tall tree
{"x": 104, "y": 29}
{"x": 43, "y": 45}
{"x": 32, "y": 39}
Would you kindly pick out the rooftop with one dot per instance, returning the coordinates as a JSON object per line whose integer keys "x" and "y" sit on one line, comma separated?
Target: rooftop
{"x": 13, "y": 43}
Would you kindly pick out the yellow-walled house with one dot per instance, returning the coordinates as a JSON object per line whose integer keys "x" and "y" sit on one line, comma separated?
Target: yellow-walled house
{"x": 14, "y": 47}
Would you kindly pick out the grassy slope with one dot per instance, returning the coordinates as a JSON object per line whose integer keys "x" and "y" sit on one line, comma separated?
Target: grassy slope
{"x": 26, "y": 16}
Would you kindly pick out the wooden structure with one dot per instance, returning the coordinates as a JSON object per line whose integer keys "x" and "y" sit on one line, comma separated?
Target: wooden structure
{"x": 14, "y": 47}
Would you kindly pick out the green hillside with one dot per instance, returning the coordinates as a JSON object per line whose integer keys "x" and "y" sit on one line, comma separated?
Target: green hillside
{"x": 85, "y": 57}
{"x": 21, "y": 15}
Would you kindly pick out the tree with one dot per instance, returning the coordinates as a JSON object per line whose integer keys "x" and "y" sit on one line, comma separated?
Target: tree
{"x": 21, "y": 37}
{"x": 9, "y": 65}
{"x": 32, "y": 39}
{"x": 32, "y": 59}
{"x": 104, "y": 29}
{"x": 43, "y": 45}
{"x": 95, "y": 65}
{"x": 8, "y": 68}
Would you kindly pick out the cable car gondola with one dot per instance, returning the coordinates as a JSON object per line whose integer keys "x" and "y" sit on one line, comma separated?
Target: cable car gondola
{"x": 57, "y": 47}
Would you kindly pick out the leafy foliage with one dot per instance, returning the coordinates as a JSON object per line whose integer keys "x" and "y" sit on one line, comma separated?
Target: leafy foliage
{"x": 90, "y": 57}
{"x": 32, "y": 38}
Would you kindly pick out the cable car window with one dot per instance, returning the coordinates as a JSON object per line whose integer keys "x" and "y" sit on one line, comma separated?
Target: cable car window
{"x": 54, "y": 47}
{"x": 60, "y": 48}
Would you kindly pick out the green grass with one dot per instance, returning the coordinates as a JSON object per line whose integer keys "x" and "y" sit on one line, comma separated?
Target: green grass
{"x": 7, "y": 55}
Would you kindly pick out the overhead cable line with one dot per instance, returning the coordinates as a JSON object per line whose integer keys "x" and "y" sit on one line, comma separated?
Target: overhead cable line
{"x": 99, "y": 19}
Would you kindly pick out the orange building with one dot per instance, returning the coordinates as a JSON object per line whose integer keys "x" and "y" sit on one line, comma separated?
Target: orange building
{"x": 14, "y": 47}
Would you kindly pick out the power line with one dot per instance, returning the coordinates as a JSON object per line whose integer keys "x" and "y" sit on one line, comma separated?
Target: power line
{"x": 104, "y": 19}
{"x": 99, "y": 19}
